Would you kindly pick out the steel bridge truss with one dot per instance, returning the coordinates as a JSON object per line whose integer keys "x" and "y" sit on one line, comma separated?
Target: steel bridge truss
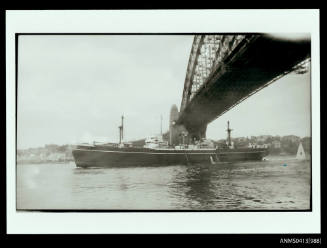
{"x": 207, "y": 53}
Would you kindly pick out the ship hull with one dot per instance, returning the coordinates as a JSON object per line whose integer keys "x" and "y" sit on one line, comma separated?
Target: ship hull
{"x": 242, "y": 155}
{"x": 151, "y": 157}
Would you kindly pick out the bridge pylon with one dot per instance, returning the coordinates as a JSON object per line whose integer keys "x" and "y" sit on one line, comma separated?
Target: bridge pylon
{"x": 179, "y": 134}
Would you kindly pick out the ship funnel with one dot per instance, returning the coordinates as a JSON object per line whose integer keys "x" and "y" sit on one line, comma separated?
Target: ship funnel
{"x": 172, "y": 122}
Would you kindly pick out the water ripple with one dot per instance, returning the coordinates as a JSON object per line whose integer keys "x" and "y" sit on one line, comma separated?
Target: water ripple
{"x": 243, "y": 186}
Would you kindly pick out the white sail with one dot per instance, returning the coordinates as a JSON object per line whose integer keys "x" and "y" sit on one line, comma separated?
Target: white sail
{"x": 300, "y": 152}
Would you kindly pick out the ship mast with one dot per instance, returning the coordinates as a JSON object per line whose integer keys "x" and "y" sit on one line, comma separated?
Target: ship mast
{"x": 229, "y": 140}
{"x": 119, "y": 134}
{"x": 161, "y": 125}
{"x": 121, "y": 130}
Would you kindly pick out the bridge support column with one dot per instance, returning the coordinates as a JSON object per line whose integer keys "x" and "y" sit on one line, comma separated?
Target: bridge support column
{"x": 187, "y": 134}
{"x": 197, "y": 133}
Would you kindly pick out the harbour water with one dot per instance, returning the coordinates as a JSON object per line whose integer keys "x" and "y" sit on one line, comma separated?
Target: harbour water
{"x": 280, "y": 183}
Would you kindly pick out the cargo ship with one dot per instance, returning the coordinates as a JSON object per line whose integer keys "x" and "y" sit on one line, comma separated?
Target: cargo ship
{"x": 157, "y": 152}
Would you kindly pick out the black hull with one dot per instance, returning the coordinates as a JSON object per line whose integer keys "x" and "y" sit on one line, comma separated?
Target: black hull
{"x": 148, "y": 157}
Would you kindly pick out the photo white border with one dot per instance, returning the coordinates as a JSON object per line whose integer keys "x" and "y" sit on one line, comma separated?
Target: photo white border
{"x": 161, "y": 21}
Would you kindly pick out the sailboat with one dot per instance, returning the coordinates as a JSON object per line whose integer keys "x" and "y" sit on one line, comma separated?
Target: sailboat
{"x": 300, "y": 155}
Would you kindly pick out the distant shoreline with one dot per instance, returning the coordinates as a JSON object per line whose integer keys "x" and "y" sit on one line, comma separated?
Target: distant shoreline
{"x": 278, "y": 146}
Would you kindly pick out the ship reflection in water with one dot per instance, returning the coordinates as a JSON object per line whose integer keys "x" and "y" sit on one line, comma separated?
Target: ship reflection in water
{"x": 262, "y": 185}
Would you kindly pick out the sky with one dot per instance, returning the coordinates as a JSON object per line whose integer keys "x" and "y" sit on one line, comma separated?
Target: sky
{"x": 74, "y": 89}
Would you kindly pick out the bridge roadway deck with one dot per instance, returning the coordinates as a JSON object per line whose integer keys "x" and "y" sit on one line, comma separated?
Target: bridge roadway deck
{"x": 242, "y": 73}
